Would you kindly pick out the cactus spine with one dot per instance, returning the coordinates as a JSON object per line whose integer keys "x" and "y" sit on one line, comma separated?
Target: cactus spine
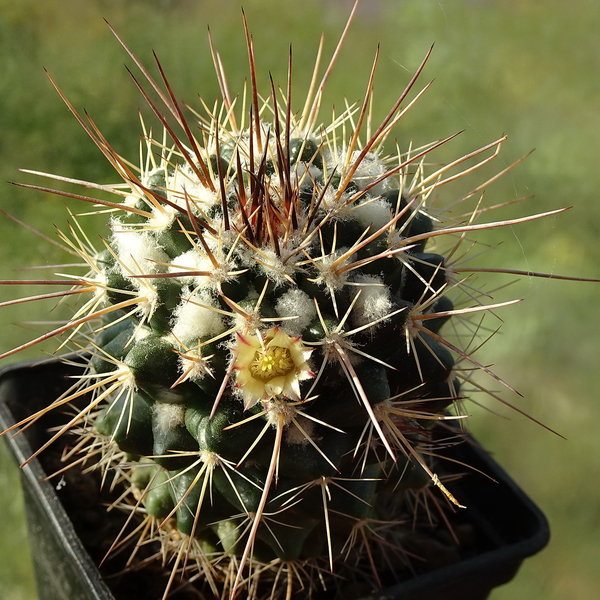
{"x": 265, "y": 333}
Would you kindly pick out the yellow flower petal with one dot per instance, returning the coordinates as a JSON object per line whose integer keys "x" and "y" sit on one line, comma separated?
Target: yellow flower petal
{"x": 271, "y": 366}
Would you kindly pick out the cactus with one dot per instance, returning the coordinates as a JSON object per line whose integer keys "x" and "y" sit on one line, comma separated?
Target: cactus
{"x": 266, "y": 338}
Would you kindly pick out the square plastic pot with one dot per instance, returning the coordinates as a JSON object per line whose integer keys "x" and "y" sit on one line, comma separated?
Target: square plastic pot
{"x": 509, "y": 526}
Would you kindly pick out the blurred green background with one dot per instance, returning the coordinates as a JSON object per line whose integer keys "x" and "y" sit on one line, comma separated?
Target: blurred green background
{"x": 526, "y": 68}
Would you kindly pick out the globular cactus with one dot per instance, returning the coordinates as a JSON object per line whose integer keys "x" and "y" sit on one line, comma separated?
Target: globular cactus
{"x": 264, "y": 328}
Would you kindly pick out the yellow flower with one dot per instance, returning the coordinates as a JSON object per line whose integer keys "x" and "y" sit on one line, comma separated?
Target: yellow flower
{"x": 271, "y": 365}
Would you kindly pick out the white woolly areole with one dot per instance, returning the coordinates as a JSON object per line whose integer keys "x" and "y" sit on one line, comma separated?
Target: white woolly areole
{"x": 168, "y": 416}
{"x": 139, "y": 253}
{"x": 331, "y": 201}
{"x": 194, "y": 365}
{"x": 195, "y": 318}
{"x": 250, "y": 320}
{"x": 370, "y": 168}
{"x": 244, "y": 256}
{"x": 185, "y": 182}
{"x": 374, "y": 214}
{"x": 306, "y": 175}
{"x": 220, "y": 240}
{"x": 131, "y": 200}
{"x": 194, "y": 261}
{"x": 330, "y": 275}
{"x": 374, "y": 302}
{"x": 273, "y": 266}
{"x": 162, "y": 218}
{"x": 99, "y": 283}
{"x": 296, "y": 303}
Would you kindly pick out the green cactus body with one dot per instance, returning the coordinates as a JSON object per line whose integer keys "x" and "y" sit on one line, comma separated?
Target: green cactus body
{"x": 268, "y": 324}
{"x": 272, "y": 336}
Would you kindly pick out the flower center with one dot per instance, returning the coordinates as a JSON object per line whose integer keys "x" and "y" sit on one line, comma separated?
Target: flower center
{"x": 273, "y": 362}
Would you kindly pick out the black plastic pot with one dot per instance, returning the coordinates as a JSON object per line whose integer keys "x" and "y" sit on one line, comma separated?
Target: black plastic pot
{"x": 509, "y": 526}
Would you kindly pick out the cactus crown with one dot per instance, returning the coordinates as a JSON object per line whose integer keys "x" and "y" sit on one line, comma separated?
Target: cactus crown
{"x": 264, "y": 332}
